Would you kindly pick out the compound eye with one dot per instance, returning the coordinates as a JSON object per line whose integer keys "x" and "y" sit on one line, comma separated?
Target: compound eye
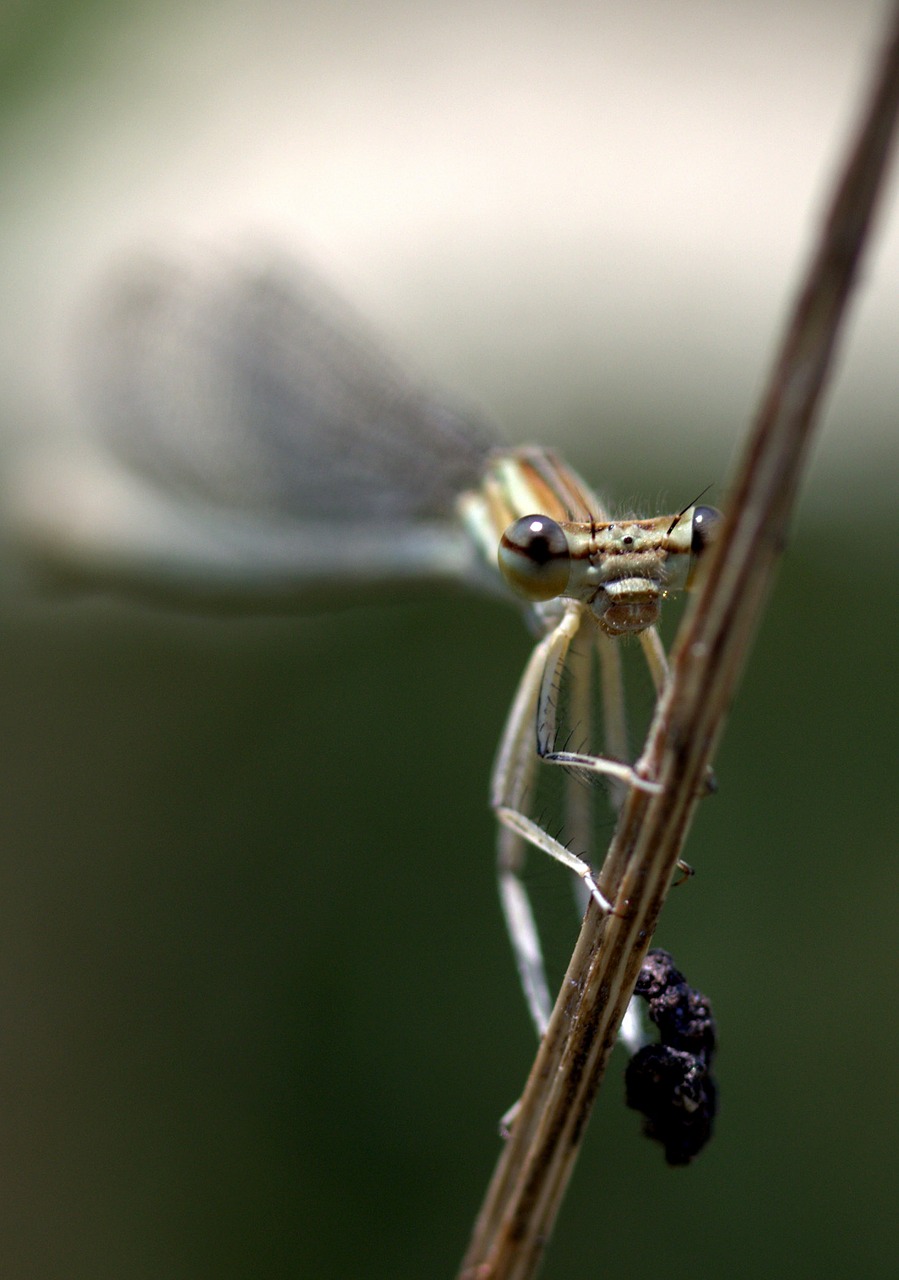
{"x": 534, "y": 558}
{"x": 705, "y": 525}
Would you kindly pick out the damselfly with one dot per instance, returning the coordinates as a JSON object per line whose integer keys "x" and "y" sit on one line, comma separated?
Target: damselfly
{"x": 246, "y": 444}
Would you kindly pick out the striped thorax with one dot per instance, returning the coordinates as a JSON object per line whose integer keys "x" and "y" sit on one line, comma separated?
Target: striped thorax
{"x": 551, "y": 539}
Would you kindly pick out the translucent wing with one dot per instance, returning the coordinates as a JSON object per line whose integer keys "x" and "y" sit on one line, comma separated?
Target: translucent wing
{"x": 246, "y": 440}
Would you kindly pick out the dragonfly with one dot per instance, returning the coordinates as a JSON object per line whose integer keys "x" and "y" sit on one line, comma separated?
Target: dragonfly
{"x": 242, "y": 442}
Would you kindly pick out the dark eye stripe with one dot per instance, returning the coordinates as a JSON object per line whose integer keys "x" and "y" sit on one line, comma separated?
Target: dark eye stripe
{"x": 534, "y": 558}
{"x": 705, "y": 524}
{"x": 536, "y": 537}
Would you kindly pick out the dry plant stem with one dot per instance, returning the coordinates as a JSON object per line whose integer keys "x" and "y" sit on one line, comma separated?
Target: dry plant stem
{"x": 529, "y": 1182}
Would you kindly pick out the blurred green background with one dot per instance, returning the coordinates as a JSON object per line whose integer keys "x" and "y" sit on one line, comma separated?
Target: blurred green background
{"x": 258, "y": 1016}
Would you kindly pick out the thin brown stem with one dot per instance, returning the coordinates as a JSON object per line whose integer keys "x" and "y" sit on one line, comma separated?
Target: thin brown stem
{"x": 525, "y": 1193}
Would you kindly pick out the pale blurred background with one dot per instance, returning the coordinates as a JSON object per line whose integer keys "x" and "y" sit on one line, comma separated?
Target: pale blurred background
{"x": 257, "y": 1012}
